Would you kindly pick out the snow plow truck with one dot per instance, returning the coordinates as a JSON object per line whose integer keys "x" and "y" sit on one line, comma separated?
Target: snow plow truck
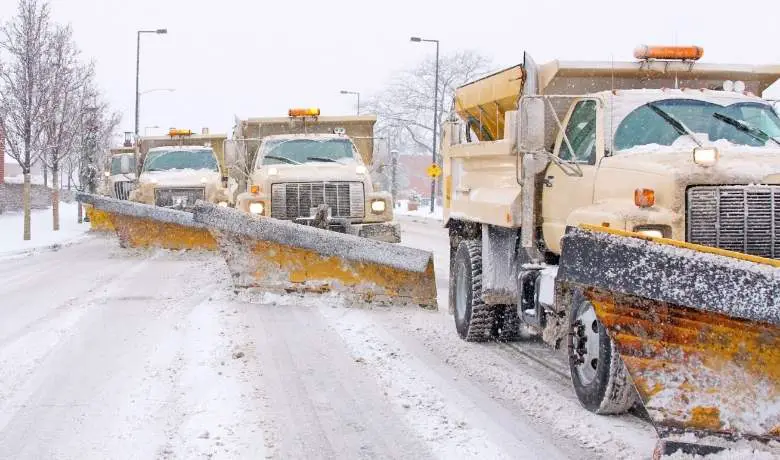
{"x": 309, "y": 221}
{"x": 629, "y": 213}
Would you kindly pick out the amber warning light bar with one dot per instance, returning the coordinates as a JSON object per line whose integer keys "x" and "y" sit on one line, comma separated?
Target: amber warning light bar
{"x": 311, "y": 112}
{"x": 676, "y": 53}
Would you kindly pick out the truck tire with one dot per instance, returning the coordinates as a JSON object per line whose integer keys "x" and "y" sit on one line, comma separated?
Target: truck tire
{"x": 474, "y": 320}
{"x": 507, "y": 323}
{"x": 600, "y": 379}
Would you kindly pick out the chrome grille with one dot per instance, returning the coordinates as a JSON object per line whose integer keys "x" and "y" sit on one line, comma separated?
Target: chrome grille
{"x": 165, "y": 196}
{"x": 738, "y": 218}
{"x": 122, "y": 189}
{"x": 296, "y": 199}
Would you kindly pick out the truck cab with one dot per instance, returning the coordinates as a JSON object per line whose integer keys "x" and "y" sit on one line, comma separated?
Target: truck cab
{"x": 120, "y": 174}
{"x": 319, "y": 178}
{"x": 176, "y": 174}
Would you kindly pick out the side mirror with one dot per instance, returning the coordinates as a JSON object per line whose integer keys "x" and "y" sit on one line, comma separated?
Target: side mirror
{"x": 125, "y": 165}
{"x": 531, "y": 126}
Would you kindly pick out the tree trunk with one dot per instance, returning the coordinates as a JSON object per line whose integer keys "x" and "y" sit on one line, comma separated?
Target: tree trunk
{"x": 81, "y": 213}
{"x": 45, "y": 176}
{"x": 26, "y": 205}
{"x": 55, "y": 196}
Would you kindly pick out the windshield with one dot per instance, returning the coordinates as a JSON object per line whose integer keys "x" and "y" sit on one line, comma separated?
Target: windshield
{"x": 297, "y": 151}
{"x": 116, "y": 165}
{"x": 163, "y": 160}
{"x": 740, "y": 124}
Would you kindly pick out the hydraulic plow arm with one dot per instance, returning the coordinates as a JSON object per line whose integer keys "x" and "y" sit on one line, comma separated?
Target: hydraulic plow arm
{"x": 142, "y": 225}
{"x": 276, "y": 255}
{"x": 698, "y": 330}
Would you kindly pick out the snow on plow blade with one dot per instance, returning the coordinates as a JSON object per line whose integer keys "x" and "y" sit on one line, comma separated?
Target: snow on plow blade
{"x": 698, "y": 330}
{"x": 280, "y": 256}
{"x": 142, "y": 226}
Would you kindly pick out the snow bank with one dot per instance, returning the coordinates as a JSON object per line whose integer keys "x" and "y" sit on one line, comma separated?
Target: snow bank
{"x": 402, "y": 209}
{"x": 12, "y": 226}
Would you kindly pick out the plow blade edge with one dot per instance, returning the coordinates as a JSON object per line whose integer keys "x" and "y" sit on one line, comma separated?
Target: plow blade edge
{"x": 279, "y": 256}
{"x": 697, "y": 328}
{"x": 144, "y": 226}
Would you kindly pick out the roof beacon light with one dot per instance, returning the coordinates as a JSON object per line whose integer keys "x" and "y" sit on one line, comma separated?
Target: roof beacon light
{"x": 173, "y": 132}
{"x": 310, "y": 112}
{"x": 671, "y": 53}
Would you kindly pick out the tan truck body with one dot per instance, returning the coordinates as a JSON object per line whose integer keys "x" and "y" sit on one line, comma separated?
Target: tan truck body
{"x": 157, "y": 187}
{"x": 541, "y": 153}
{"x": 269, "y": 186}
{"x": 481, "y": 178}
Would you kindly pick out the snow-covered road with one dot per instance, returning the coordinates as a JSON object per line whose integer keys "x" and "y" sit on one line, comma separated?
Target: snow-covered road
{"x": 109, "y": 353}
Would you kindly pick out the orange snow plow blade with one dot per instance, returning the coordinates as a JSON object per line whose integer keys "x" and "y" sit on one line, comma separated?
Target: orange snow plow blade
{"x": 99, "y": 220}
{"x": 697, "y": 328}
{"x": 144, "y": 226}
{"x": 279, "y": 256}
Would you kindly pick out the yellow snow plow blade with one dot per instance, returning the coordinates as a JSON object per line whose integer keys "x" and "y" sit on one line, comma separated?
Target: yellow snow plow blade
{"x": 144, "y": 226}
{"x": 278, "y": 256}
{"x": 99, "y": 220}
{"x": 697, "y": 328}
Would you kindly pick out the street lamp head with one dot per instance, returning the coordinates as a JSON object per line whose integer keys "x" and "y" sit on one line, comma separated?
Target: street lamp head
{"x": 343, "y": 91}
{"x": 161, "y": 31}
{"x": 416, "y": 39}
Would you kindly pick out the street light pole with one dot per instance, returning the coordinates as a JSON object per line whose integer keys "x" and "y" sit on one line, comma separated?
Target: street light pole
{"x": 435, "y": 113}
{"x": 343, "y": 91}
{"x": 138, "y": 69}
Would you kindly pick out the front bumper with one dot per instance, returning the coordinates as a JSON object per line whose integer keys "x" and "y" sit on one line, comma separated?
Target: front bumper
{"x": 389, "y": 232}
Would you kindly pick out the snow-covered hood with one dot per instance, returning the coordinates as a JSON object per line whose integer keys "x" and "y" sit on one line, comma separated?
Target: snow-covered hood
{"x": 311, "y": 172}
{"x": 736, "y": 165}
{"x": 180, "y": 178}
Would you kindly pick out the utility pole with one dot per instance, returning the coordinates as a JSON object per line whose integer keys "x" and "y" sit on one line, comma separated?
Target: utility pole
{"x": 394, "y": 174}
{"x": 435, "y": 114}
{"x": 138, "y": 69}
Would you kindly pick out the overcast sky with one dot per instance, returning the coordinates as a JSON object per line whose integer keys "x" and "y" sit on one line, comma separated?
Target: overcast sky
{"x": 259, "y": 58}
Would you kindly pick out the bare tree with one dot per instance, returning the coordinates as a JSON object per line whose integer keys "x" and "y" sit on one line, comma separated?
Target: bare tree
{"x": 25, "y": 42}
{"x": 67, "y": 100}
{"x": 405, "y": 107}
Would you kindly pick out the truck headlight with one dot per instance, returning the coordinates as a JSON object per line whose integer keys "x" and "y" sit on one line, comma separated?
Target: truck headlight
{"x": 360, "y": 169}
{"x": 654, "y": 231}
{"x": 256, "y": 208}
{"x": 223, "y": 204}
{"x": 378, "y": 206}
{"x": 705, "y": 156}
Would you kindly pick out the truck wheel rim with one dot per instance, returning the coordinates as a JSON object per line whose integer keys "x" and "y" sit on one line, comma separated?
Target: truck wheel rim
{"x": 586, "y": 344}
{"x": 461, "y": 292}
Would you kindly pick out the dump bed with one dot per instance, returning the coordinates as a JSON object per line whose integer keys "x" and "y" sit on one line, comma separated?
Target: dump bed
{"x": 359, "y": 128}
{"x": 484, "y": 102}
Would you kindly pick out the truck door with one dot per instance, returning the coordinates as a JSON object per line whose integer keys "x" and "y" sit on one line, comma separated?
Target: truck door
{"x": 563, "y": 193}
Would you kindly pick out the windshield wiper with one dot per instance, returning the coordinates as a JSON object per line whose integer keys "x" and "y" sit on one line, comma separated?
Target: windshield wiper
{"x": 286, "y": 160}
{"x": 674, "y": 123}
{"x": 329, "y": 160}
{"x": 755, "y": 133}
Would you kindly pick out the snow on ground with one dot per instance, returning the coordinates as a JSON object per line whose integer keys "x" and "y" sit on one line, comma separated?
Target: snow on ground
{"x": 402, "y": 208}
{"x": 150, "y": 354}
{"x": 12, "y": 226}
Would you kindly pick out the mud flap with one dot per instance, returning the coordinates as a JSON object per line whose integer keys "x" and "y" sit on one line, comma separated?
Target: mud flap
{"x": 144, "y": 226}
{"x": 279, "y": 256}
{"x": 697, "y": 328}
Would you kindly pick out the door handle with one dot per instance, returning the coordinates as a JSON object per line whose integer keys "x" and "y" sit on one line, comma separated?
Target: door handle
{"x": 548, "y": 181}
